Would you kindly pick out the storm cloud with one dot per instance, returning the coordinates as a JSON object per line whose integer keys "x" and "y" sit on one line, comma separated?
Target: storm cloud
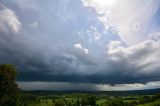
{"x": 66, "y": 41}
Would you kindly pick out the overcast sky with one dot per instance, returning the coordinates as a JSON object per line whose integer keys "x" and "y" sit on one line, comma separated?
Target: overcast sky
{"x": 82, "y": 44}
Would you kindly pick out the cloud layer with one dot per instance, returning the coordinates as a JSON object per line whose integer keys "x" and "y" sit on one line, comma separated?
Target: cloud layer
{"x": 132, "y": 19}
{"x": 9, "y": 21}
{"x": 83, "y": 86}
{"x": 74, "y": 42}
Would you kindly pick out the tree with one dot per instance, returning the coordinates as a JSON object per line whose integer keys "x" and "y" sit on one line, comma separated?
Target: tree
{"x": 116, "y": 102}
{"x": 8, "y": 87}
{"x": 78, "y": 102}
{"x": 92, "y": 101}
{"x": 59, "y": 102}
{"x": 89, "y": 100}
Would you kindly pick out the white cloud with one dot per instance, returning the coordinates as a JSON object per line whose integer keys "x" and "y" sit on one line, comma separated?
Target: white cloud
{"x": 93, "y": 33}
{"x": 123, "y": 87}
{"x": 143, "y": 56}
{"x": 97, "y": 36}
{"x": 113, "y": 45}
{"x": 9, "y": 21}
{"x": 130, "y": 18}
{"x": 34, "y": 25}
{"x": 155, "y": 36}
{"x": 79, "y": 46}
{"x": 86, "y": 51}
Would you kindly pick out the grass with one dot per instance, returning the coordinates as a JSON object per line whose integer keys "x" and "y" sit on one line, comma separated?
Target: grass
{"x": 70, "y": 100}
{"x": 155, "y": 103}
{"x": 101, "y": 101}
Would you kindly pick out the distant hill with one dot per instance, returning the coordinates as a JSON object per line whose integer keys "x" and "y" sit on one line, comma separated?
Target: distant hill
{"x": 107, "y": 93}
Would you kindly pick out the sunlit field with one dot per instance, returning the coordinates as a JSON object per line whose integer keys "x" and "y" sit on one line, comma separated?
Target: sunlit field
{"x": 90, "y": 99}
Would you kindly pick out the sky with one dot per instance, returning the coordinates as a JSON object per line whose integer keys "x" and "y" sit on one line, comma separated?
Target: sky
{"x": 82, "y": 44}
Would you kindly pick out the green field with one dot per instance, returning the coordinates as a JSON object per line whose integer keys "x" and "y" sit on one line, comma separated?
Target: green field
{"x": 87, "y": 99}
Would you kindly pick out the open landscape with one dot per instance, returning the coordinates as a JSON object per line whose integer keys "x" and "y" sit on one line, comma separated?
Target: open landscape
{"x": 12, "y": 95}
{"x": 92, "y": 98}
{"x": 79, "y": 52}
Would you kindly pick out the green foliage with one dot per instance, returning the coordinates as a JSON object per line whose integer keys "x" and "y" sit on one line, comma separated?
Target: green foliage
{"x": 31, "y": 99}
{"x": 26, "y": 99}
{"x": 115, "y": 102}
{"x": 8, "y": 87}
{"x": 59, "y": 102}
{"x": 78, "y": 102}
{"x": 89, "y": 100}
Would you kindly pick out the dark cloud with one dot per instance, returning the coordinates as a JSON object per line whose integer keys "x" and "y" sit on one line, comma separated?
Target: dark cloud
{"x": 47, "y": 53}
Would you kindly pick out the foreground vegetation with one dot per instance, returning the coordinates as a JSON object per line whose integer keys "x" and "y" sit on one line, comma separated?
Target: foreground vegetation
{"x": 11, "y": 95}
